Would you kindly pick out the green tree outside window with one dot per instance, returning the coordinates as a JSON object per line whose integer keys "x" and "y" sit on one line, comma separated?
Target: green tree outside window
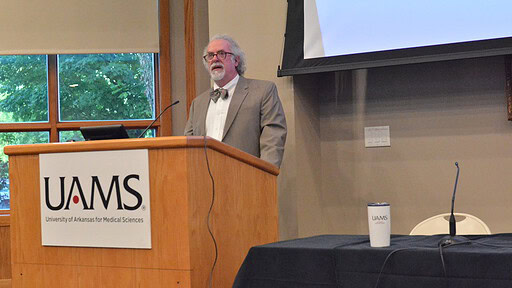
{"x": 92, "y": 87}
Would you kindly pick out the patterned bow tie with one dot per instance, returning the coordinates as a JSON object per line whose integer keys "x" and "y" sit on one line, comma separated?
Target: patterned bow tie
{"x": 219, "y": 92}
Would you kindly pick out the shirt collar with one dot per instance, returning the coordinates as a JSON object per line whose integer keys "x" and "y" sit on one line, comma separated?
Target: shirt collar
{"x": 231, "y": 84}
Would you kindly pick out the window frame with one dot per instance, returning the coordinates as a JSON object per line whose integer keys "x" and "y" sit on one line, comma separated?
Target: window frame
{"x": 162, "y": 84}
{"x": 53, "y": 126}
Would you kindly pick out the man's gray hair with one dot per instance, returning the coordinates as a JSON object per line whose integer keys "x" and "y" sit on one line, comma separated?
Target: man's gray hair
{"x": 235, "y": 49}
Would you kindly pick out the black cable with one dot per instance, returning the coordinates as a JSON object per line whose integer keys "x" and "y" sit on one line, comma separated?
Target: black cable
{"x": 210, "y": 278}
{"x": 461, "y": 243}
{"x": 442, "y": 260}
{"x": 412, "y": 248}
{"x": 441, "y": 247}
{"x": 386, "y": 261}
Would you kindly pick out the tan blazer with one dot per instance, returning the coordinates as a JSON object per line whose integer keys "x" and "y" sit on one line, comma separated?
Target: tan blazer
{"x": 255, "y": 122}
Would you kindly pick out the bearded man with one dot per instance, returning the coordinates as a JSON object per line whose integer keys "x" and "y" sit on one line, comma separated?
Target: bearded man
{"x": 241, "y": 112}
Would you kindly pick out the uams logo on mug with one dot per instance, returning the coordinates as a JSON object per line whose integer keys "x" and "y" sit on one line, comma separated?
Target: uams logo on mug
{"x": 380, "y": 218}
{"x": 95, "y": 199}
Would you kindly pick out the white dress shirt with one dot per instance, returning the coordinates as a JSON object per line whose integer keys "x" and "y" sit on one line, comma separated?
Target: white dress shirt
{"x": 218, "y": 111}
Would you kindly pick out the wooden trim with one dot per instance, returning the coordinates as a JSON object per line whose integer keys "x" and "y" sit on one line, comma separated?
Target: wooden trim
{"x": 53, "y": 95}
{"x": 158, "y": 97}
{"x": 508, "y": 85}
{"x": 164, "y": 64}
{"x": 198, "y": 141}
{"x": 5, "y": 220}
{"x": 21, "y": 127}
{"x": 153, "y": 143}
{"x": 73, "y": 125}
{"x": 190, "y": 66}
{"x": 132, "y": 124}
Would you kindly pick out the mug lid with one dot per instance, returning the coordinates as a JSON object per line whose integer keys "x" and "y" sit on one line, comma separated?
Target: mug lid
{"x": 377, "y": 204}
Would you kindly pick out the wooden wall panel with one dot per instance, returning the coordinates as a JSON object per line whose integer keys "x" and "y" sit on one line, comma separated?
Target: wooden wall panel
{"x": 164, "y": 59}
{"x": 5, "y": 249}
{"x": 190, "y": 57}
{"x": 96, "y": 277}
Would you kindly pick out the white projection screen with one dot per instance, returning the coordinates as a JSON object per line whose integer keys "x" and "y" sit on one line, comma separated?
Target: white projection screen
{"x": 344, "y": 34}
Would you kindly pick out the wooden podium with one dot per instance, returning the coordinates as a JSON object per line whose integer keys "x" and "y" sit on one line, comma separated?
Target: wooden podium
{"x": 182, "y": 255}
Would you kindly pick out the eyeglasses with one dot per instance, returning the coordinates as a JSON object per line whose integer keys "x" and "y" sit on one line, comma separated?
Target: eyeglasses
{"x": 220, "y": 55}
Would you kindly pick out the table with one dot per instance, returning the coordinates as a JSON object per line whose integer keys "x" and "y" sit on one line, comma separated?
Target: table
{"x": 348, "y": 261}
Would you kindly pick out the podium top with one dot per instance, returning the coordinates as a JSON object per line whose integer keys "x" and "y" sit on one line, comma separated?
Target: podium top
{"x": 142, "y": 143}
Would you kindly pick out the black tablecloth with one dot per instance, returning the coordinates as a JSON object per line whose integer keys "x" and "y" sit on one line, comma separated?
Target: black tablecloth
{"x": 348, "y": 261}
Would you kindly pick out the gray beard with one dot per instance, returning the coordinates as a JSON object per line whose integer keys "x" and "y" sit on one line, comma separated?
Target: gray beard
{"x": 216, "y": 76}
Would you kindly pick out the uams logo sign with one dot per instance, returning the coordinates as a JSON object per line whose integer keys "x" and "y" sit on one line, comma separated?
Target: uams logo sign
{"x": 76, "y": 194}
{"x": 95, "y": 199}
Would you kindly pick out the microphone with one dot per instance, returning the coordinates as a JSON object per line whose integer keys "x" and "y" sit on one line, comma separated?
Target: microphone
{"x": 452, "y": 239}
{"x": 158, "y": 117}
{"x": 453, "y": 224}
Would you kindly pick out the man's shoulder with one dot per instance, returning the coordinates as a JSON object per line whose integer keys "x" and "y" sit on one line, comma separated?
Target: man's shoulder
{"x": 251, "y": 81}
{"x": 257, "y": 83}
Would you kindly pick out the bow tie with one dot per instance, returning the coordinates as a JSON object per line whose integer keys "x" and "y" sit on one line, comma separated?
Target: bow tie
{"x": 219, "y": 92}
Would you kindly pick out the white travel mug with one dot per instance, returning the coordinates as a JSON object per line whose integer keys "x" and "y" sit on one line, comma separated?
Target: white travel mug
{"x": 379, "y": 224}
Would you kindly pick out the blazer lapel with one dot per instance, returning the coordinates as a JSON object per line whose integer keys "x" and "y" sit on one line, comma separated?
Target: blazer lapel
{"x": 203, "y": 109}
{"x": 241, "y": 91}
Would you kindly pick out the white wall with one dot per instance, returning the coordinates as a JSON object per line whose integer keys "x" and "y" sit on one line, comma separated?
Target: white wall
{"x": 438, "y": 113}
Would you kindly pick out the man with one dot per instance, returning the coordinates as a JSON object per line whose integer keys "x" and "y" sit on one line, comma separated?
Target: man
{"x": 244, "y": 113}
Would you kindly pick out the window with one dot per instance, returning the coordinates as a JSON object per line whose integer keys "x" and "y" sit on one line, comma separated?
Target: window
{"x": 47, "y": 98}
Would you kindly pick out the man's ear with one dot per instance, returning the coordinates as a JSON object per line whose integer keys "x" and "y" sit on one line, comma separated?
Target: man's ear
{"x": 237, "y": 60}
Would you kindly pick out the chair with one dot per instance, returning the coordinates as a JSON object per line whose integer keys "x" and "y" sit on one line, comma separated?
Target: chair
{"x": 466, "y": 225}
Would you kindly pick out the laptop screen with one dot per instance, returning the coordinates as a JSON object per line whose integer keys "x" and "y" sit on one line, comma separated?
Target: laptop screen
{"x": 104, "y": 132}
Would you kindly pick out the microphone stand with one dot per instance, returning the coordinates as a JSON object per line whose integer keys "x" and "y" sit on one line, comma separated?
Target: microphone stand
{"x": 453, "y": 238}
{"x": 158, "y": 117}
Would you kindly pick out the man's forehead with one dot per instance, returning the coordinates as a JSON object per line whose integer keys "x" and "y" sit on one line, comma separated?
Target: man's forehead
{"x": 217, "y": 45}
